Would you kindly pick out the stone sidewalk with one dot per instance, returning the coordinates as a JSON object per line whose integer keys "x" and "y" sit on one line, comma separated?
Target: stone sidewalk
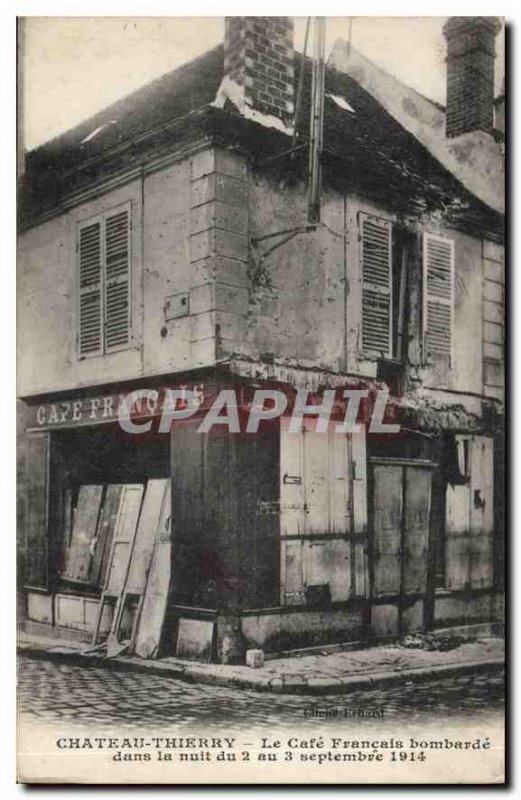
{"x": 320, "y": 673}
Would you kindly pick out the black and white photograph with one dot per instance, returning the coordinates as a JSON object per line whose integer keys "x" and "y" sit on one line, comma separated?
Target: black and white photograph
{"x": 260, "y": 345}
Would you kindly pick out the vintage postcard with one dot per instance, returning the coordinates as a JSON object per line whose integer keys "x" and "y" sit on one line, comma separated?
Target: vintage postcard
{"x": 261, "y": 400}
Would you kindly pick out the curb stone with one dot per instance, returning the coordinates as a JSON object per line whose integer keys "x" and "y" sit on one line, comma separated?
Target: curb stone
{"x": 258, "y": 683}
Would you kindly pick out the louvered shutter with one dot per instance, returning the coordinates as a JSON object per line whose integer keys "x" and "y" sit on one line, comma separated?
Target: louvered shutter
{"x": 438, "y": 294}
{"x": 90, "y": 334}
{"x": 117, "y": 279}
{"x": 376, "y": 261}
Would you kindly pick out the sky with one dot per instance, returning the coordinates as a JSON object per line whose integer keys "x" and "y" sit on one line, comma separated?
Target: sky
{"x": 74, "y": 66}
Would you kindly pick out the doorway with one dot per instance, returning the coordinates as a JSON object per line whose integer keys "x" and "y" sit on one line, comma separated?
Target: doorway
{"x": 400, "y": 512}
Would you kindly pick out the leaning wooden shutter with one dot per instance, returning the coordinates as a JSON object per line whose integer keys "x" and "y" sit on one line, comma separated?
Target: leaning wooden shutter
{"x": 376, "y": 261}
{"x": 117, "y": 279}
{"x": 438, "y": 294}
{"x": 90, "y": 338}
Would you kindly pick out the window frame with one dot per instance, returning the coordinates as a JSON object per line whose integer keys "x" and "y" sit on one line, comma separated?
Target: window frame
{"x": 101, "y": 218}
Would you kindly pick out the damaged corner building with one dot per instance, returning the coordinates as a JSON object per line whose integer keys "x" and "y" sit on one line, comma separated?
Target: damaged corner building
{"x": 260, "y": 217}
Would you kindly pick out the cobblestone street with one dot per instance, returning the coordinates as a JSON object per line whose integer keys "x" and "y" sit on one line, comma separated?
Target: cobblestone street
{"x": 100, "y": 696}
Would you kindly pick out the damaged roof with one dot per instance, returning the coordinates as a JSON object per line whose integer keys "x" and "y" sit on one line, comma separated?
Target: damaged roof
{"x": 365, "y": 148}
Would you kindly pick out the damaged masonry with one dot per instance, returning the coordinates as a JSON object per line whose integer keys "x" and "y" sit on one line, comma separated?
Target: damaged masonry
{"x": 258, "y": 222}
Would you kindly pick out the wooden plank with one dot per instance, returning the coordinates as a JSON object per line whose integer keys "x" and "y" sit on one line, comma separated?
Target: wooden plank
{"x": 488, "y": 484}
{"x": 412, "y": 618}
{"x": 127, "y": 519}
{"x": 292, "y": 498}
{"x": 361, "y": 570}
{"x": 195, "y": 639}
{"x": 387, "y": 524}
{"x": 482, "y": 512}
{"x": 329, "y": 562}
{"x": 416, "y": 529}
{"x": 316, "y": 481}
{"x": 457, "y": 573}
{"x": 477, "y": 490}
{"x": 339, "y": 484}
{"x": 155, "y": 599}
{"x": 458, "y": 509}
{"x": 481, "y": 561}
{"x": 385, "y": 620}
{"x": 78, "y": 558}
{"x": 359, "y": 483}
{"x": 66, "y": 526}
{"x": 292, "y": 576}
{"x": 146, "y": 535}
{"x": 106, "y": 527}
{"x": 457, "y": 569}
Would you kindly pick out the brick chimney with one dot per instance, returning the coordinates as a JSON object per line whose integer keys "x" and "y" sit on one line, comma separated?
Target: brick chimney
{"x": 258, "y": 61}
{"x": 470, "y": 74}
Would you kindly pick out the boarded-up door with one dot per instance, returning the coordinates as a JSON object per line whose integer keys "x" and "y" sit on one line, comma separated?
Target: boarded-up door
{"x": 400, "y": 513}
{"x": 470, "y": 519}
{"x": 318, "y": 542}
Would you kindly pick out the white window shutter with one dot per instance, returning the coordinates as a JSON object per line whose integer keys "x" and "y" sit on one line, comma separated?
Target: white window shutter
{"x": 438, "y": 295}
{"x": 376, "y": 267}
{"x": 117, "y": 279}
{"x": 90, "y": 277}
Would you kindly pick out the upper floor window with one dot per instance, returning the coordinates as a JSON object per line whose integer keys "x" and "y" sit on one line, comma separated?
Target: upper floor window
{"x": 438, "y": 295}
{"x": 387, "y": 257}
{"x": 104, "y": 282}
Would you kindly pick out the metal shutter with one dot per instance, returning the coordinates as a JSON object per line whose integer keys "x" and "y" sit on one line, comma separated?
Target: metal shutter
{"x": 376, "y": 265}
{"x": 438, "y": 294}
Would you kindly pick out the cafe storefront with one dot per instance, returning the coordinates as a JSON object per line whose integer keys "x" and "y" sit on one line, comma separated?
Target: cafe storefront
{"x": 263, "y": 536}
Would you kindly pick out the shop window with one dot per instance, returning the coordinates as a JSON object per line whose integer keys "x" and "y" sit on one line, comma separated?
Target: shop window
{"x": 98, "y": 470}
{"x": 104, "y": 283}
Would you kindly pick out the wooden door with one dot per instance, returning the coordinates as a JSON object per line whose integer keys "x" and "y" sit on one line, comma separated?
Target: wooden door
{"x": 415, "y": 548}
{"x": 387, "y": 529}
{"x": 316, "y": 516}
{"x": 401, "y": 500}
